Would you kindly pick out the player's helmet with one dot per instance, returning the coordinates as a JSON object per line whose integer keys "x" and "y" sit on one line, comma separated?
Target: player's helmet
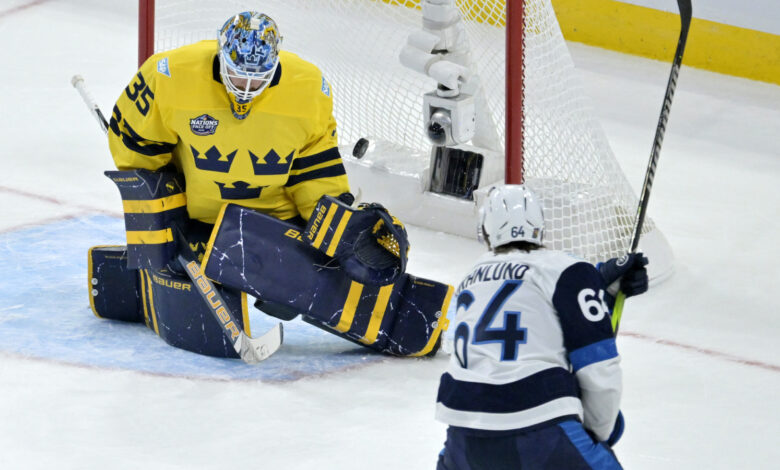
{"x": 248, "y": 51}
{"x": 511, "y": 213}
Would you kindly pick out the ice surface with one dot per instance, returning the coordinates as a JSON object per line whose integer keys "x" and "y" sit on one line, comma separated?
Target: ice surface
{"x": 700, "y": 351}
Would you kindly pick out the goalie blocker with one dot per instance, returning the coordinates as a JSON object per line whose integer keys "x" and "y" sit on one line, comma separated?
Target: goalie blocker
{"x": 269, "y": 258}
{"x": 144, "y": 281}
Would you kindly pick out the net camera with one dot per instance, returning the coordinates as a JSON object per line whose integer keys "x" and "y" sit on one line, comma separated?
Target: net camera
{"x": 449, "y": 121}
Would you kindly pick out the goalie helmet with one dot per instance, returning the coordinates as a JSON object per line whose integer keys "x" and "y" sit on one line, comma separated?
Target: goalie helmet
{"x": 511, "y": 213}
{"x": 248, "y": 54}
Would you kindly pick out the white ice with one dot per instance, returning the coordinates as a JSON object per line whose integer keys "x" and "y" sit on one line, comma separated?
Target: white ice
{"x": 700, "y": 351}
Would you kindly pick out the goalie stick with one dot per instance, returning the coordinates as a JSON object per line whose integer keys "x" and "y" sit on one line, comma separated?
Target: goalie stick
{"x": 250, "y": 350}
{"x": 685, "y": 24}
{"x": 78, "y": 83}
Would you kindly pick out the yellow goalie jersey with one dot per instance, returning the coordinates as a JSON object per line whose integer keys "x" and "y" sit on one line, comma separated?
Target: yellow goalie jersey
{"x": 280, "y": 159}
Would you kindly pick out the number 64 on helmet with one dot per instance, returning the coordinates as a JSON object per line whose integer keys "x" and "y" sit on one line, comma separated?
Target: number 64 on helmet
{"x": 511, "y": 213}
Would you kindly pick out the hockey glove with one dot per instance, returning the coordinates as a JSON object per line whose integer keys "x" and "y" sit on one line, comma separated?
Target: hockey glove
{"x": 370, "y": 244}
{"x": 626, "y": 274}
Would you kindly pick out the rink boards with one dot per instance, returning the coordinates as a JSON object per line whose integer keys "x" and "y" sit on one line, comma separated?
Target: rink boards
{"x": 45, "y": 314}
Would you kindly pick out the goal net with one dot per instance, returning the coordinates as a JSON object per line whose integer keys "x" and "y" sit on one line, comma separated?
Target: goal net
{"x": 589, "y": 205}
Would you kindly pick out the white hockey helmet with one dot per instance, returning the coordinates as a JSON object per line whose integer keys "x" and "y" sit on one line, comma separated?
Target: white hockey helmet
{"x": 248, "y": 54}
{"x": 511, "y": 213}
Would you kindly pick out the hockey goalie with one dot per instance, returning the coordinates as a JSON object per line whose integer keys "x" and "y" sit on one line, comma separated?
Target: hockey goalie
{"x": 227, "y": 158}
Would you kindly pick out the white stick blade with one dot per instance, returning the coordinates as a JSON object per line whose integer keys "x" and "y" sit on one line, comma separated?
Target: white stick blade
{"x": 254, "y": 350}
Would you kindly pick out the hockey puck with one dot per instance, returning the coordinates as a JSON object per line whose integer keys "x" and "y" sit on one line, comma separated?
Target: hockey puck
{"x": 360, "y": 148}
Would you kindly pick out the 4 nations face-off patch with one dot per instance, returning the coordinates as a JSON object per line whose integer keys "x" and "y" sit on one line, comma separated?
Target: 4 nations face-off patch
{"x": 204, "y": 125}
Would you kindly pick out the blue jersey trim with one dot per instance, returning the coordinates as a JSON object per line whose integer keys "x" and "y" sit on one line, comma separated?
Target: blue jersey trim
{"x": 327, "y": 172}
{"x": 532, "y": 391}
{"x": 595, "y": 454}
{"x": 301, "y": 163}
{"x": 135, "y": 142}
{"x": 592, "y": 353}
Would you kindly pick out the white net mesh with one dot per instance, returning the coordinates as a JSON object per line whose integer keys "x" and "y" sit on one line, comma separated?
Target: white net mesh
{"x": 588, "y": 203}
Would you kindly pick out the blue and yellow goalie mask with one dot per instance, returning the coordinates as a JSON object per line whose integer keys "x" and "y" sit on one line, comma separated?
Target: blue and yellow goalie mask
{"x": 248, "y": 55}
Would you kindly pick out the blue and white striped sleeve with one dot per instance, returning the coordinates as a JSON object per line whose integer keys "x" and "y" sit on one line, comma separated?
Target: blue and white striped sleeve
{"x": 584, "y": 313}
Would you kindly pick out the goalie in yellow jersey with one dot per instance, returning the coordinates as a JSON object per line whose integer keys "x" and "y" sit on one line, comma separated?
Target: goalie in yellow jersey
{"x": 238, "y": 122}
{"x": 243, "y": 122}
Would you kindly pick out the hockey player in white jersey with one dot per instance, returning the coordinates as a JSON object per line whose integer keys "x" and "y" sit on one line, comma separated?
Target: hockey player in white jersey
{"x": 534, "y": 381}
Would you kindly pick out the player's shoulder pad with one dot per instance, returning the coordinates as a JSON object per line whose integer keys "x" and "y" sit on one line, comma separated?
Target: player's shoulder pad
{"x": 304, "y": 75}
{"x": 548, "y": 265}
{"x": 578, "y": 275}
{"x": 579, "y": 298}
{"x": 181, "y": 62}
{"x": 559, "y": 260}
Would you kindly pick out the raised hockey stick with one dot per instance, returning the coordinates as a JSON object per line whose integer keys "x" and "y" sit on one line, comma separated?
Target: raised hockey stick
{"x": 250, "y": 350}
{"x": 685, "y": 21}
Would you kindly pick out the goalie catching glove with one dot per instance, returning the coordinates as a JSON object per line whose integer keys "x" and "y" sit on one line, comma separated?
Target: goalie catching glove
{"x": 371, "y": 245}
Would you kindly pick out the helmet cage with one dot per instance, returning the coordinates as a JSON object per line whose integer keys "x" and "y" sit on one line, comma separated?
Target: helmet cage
{"x": 259, "y": 80}
{"x": 248, "y": 54}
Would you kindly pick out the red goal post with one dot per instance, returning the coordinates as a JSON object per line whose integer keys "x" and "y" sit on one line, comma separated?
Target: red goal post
{"x": 145, "y": 30}
{"x": 514, "y": 93}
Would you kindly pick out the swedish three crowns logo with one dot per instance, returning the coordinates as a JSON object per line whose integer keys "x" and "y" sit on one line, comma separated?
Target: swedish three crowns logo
{"x": 203, "y": 125}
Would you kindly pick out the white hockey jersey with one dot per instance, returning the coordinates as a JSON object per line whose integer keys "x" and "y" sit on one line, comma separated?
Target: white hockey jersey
{"x": 532, "y": 342}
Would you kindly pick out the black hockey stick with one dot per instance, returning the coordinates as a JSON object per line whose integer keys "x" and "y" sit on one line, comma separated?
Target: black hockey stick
{"x": 685, "y": 21}
{"x": 250, "y": 350}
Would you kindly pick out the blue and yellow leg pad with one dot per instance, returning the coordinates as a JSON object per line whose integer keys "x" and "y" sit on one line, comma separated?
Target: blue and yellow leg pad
{"x": 167, "y": 302}
{"x": 113, "y": 288}
{"x": 268, "y": 258}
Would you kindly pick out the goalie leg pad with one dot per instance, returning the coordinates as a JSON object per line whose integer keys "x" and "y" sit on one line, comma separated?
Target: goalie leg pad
{"x": 268, "y": 258}
{"x": 113, "y": 287}
{"x": 406, "y": 318}
{"x": 167, "y": 302}
{"x": 178, "y": 314}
